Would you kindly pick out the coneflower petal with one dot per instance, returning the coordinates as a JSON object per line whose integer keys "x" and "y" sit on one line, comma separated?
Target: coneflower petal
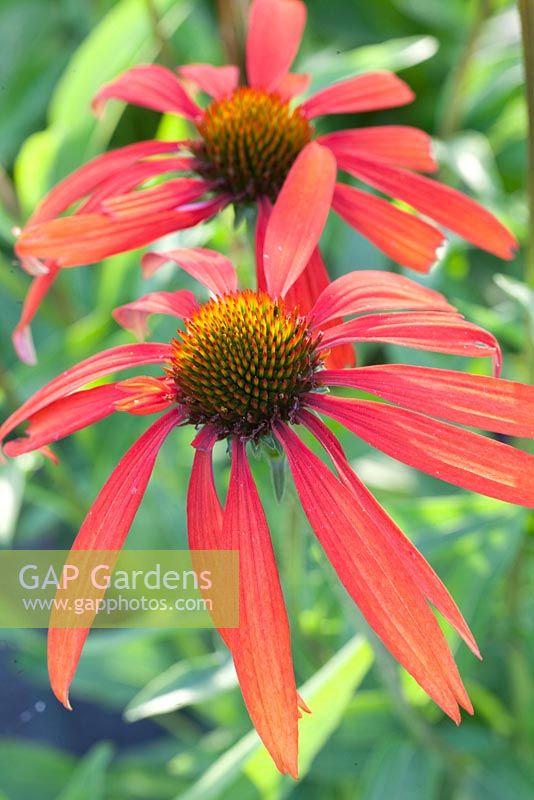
{"x": 204, "y": 510}
{"x": 298, "y": 218}
{"x": 373, "y": 290}
{"x": 439, "y": 332}
{"x": 398, "y": 145}
{"x": 368, "y": 92}
{"x": 292, "y": 85}
{"x": 65, "y": 416}
{"x": 452, "y": 454}
{"x": 165, "y": 197}
{"x": 150, "y": 86}
{"x": 274, "y": 33}
{"x": 401, "y": 235}
{"x": 264, "y": 207}
{"x": 106, "y": 527}
{"x": 374, "y": 576}
{"x": 211, "y": 269}
{"x": 22, "y": 337}
{"x": 134, "y": 316}
{"x": 307, "y": 288}
{"x": 419, "y": 568}
{"x": 86, "y": 179}
{"x": 447, "y": 206}
{"x": 218, "y": 82}
{"x": 492, "y": 404}
{"x": 261, "y": 646}
{"x": 87, "y": 238}
{"x": 104, "y": 363}
{"x": 118, "y": 183}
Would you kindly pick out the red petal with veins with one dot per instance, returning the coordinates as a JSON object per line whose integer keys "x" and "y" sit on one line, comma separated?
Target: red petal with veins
{"x": 452, "y": 454}
{"x": 368, "y": 92}
{"x": 134, "y": 316}
{"x": 298, "y": 218}
{"x": 491, "y": 404}
{"x": 106, "y": 527}
{"x": 150, "y": 86}
{"x": 375, "y": 576}
{"x": 211, "y": 269}
{"x": 104, "y": 363}
{"x": 274, "y": 32}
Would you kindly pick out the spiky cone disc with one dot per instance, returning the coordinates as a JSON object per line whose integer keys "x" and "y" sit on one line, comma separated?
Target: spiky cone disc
{"x": 243, "y": 362}
{"x": 249, "y": 143}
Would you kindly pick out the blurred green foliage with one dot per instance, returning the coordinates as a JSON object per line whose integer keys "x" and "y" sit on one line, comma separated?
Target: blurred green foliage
{"x": 385, "y": 740}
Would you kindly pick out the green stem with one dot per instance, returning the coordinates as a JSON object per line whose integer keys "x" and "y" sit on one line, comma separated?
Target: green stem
{"x": 454, "y": 103}
{"x": 167, "y": 56}
{"x": 232, "y": 16}
{"x": 416, "y": 725}
{"x": 526, "y": 11}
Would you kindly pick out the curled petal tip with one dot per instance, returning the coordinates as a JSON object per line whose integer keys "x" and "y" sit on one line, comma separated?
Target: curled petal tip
{"x": 62, "y": 694}
{"x": 23, "y": 344}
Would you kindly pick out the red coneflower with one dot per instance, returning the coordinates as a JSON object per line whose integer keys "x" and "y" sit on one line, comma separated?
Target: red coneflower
{"x": 248, "y": 365}
{"x": 248, "y": 138}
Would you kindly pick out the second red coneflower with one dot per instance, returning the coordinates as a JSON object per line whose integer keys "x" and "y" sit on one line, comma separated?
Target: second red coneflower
{"x": 248, "y": 365}
{"x": 247, "y": 139}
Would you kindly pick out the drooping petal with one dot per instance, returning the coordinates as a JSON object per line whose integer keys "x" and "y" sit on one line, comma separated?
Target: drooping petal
{"x": 85, "y": 179}
{"x": 104, "y": 363}
{"x": 165, "y": 197}
{"x": 298, "y": 217}
{"x": 124, "y": 181}
{"x": 145, "y": 395}
{"x": 22, "y": 337}
{"x": 211, "y": 269}
{"x": 439, "y": 332}
{"x": 398, "y": 145}
{"x": 373, "y": 290}
{"x": 261, "y": 646}
{"x": 292, "y": 85}
{"x": 402, "y": 236}
{"x": 305, "y": 291}
{"x": 204, "y": 509}
{"x": 88, "y": 238}
{"x": 447, "y": 206}
{"x": 64, "y": 417}
{"x": 492, "y": 404}
{"x": 376, "y": 579}
{"x": 368, "y": 92}
{"x": 134, "y": 316}
{"x": 218, "y": 82}
{"x": 265, "y": 208}
{"x": 398, "y": 545}
{"x": 275, "y": 28}
{"x": 452, "y": 454}
{"x": 105, "y": 528}
{"x": 150, "y": 86}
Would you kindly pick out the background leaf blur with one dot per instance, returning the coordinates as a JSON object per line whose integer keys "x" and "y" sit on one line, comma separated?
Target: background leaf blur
{"x": 144, "y": 728}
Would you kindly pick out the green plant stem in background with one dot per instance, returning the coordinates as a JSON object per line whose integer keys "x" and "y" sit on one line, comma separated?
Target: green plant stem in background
{"x": 161, "y": 40}
{"x": 232, "y": 16}
{"x": 526, "y": 11}
{"x": 455, "y": 96}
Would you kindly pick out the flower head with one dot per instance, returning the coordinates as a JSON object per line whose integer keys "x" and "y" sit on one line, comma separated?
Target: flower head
{"x": 246, "y": 143}
{"x": 247, "y": 364}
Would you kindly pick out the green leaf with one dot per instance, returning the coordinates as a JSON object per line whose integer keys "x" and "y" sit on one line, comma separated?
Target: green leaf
{"x": 88, "y": 779}
{"x": 11, "y": 491}
{"x": 400, "y": 771}
{"x": 184, "y": 684}
{"x": 123, "y": 38}
{"x": 29, "y": 769}
{"x": 395, "y": 54}
{"x": 247, "y": 771}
